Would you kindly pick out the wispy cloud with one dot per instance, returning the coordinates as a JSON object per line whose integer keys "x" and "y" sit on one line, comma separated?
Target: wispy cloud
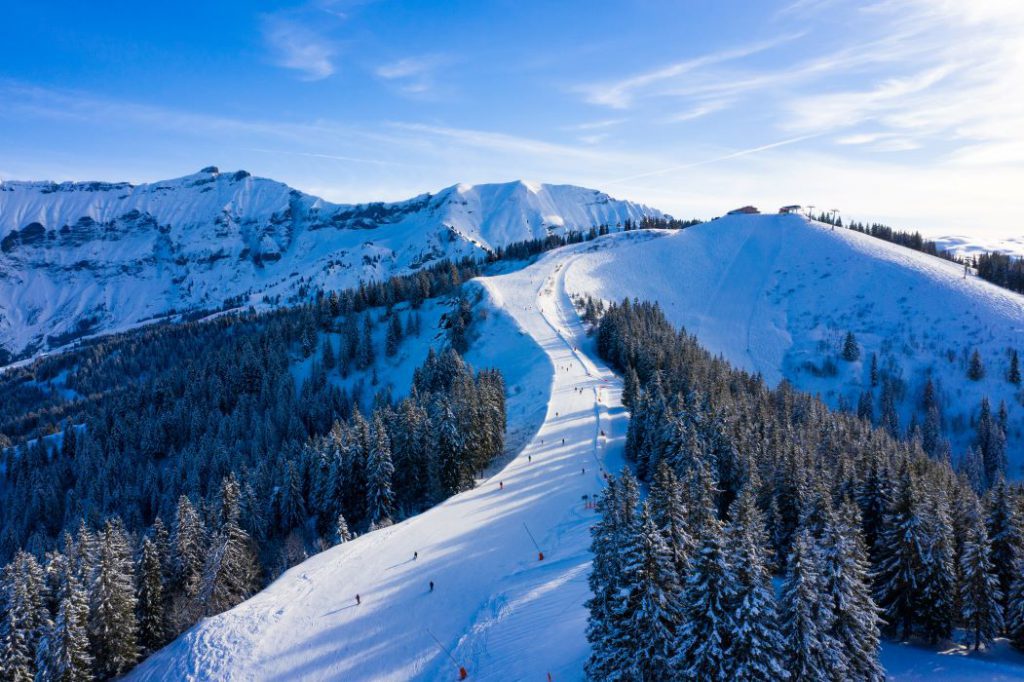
{"x": 413, "y": 75}
{"x": 516, "y": 144}
{"x": 300, "y": 38}
{"x": 716, "y": 159}
{"x": 623, "y": 93}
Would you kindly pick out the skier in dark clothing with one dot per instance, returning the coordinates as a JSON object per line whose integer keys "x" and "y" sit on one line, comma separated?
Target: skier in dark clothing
{"x": 415, "y": 556}
{"x": 431, "y": 585}
{"x": 358, "y": 600}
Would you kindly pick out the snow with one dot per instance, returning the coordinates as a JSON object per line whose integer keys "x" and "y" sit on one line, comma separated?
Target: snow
{"x": 503, "y": 613}
{"x": 109, "y": 256}
{"x": 775, "y": 294}
{"x": 908, "y": 663}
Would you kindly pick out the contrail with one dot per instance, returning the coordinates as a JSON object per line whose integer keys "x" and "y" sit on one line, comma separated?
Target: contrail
{"x": 743, "y": 152}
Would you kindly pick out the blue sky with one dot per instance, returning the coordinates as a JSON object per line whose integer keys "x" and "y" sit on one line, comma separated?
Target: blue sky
{"x": 909, "y": 111}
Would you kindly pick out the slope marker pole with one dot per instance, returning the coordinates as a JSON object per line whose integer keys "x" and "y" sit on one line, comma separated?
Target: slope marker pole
{"x": 540, "y": 553}
{"x": 462, "y": 671}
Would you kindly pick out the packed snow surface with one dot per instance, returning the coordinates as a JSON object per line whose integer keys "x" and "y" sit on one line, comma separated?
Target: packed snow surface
{"x": 777, "y": 295}
{"x": 497, "y": 608}
{"x": 92, "y": 257}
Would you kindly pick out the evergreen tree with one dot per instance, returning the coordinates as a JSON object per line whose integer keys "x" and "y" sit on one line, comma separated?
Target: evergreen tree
{"x": 1006, "y": 531}
{"x": 709, "y": 593}
{"x": 755, "y": 650}
{"x": 231, "y": 572}
{"x": 901, "y": 549}
{"x": 937, "y": 582}
{"x": 380, "y": 500}
{"x": 327, "y": 358}
{"x": 189, "y": 546}
{"x": 341, "y": 532}
{"x": 847, "y": 593}
{"x": 19, "y": 628}
{"x": 851, "y": 351}
{"x": 394, "y": 336}
{"x": 976, "y": 368}
{"x": 113, "y": 627}
{"x": 669, "y": 514}
{"x": 1013, "y": 376}
{"x": 453, "y": 473}
{"x": 152, "y": 613}
{"x": 604, "y": 580}
{"x": 647, "y": 616}
{"x": 64, "y": 651}
{"x": 980, "y": 594}
{"x": 812, "y": 653}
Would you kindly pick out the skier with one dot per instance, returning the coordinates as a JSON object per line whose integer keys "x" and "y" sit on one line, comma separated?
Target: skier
{"x": 501, "y": 485}
{"x": 358, "y": 600}
{"x": 415, "y": 556}
{"x": 431, "y": 585}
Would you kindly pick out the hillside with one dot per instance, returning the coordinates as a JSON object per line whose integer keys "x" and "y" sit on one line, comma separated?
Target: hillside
{"x": 92, "y": 257}
{"x": 777, "y": 295}
{"x": 495, "y": 608}
{"x": 501, "y": 612}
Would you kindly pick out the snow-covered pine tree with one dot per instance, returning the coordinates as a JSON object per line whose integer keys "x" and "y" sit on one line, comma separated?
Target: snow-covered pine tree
{"x": 380, "y": 500}
{"x": 755, "y": 650}
{"x": 452, "y": 470}
{"x": 901, "y": 551}
{"x": 1015, "y": 607}
{"x": 1006, "y": 533}
{"x": 646, "y": 615}
{"x": 604, "y": 583}
{"x": 17, "y": 636}
{"x": 341, "y": 531}
{"x": 936, "y": 600}
{"x": 812, "y": 654}
{"x": 669, "y": 514}
{"x": 113, "y": 627}
{"x": 847, "y": 591}
{"x": 972, "y": 468}
{"x": 63, "y": 654}
{"x": 851, "y": 351}
{"x": 976, "y": 368}
{"x": 394, "y": 336}
{"x": 231, "y": 572}
{"x": 980, "y": 593}
{"x": 708, "y": 592}
{"x": 188, "y": 544}
{"x": 152, "y": 606}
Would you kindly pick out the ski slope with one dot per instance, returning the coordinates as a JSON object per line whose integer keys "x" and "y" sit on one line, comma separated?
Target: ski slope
{"x": 499, "y": 610}
{"x": 777, "y": 294}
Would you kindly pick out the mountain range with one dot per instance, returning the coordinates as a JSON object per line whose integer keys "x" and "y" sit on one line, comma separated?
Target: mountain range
{"x": 84, "y": 258}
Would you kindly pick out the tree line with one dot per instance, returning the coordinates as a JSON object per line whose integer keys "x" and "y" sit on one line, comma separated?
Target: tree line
{"x": 1001, "y": 269}
{"x": 868, "y": 535}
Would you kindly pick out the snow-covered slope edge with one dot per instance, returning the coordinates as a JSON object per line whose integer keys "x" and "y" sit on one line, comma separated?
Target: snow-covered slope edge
{"x": 777, "y": 294}
{"x": 92, "y": 257}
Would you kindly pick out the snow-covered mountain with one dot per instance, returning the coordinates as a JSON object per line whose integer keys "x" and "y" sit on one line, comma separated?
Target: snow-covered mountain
{"x": 89, "y": 257}
{"x": 764, "y": 291}
{"x": 778, "y": 294}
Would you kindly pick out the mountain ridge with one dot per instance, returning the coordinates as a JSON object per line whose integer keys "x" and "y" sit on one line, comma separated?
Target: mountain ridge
{"x": 81, "y": 258}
